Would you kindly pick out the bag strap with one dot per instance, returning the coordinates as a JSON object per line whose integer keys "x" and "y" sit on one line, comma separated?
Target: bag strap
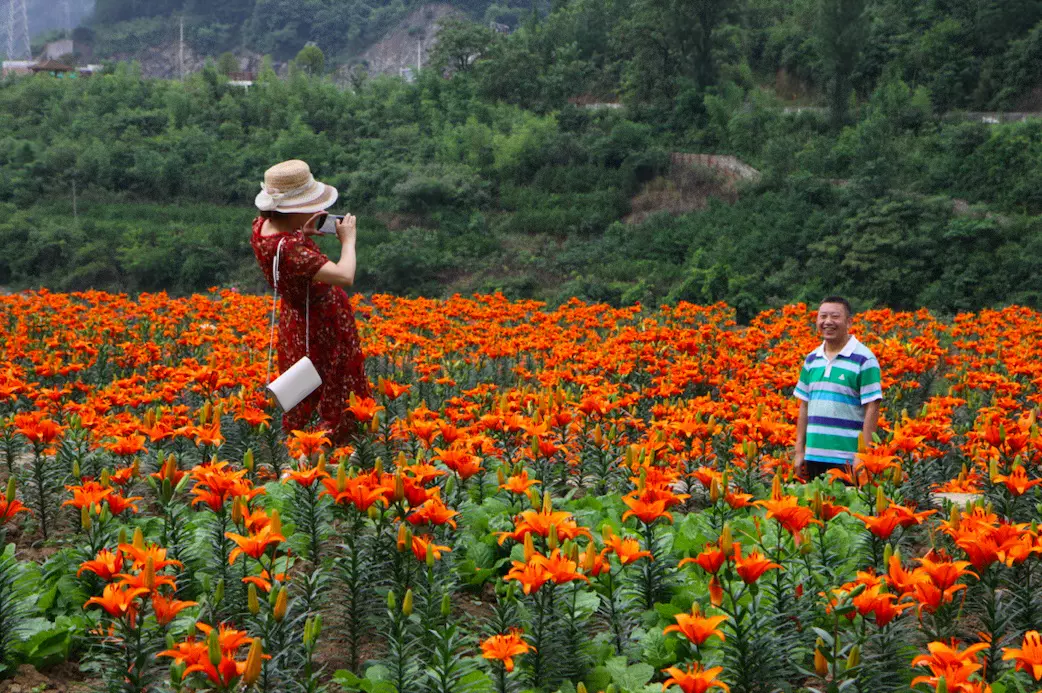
{"x": 274, "y": 303}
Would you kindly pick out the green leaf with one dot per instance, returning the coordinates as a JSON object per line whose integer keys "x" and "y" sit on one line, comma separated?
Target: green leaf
{"x": 630, "y": 678}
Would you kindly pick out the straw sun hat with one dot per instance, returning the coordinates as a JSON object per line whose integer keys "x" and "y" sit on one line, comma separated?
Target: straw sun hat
{"x": 289, "y": 187}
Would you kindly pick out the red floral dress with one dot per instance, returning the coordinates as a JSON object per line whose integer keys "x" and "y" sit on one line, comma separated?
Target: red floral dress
{"x": 335, "y": 347}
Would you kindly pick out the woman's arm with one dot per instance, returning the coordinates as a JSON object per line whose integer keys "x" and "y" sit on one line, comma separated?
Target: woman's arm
{"x": 341, "y": 273}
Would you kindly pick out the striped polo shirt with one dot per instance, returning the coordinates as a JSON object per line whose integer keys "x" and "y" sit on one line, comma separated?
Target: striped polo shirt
{"x": 836, "y": 393}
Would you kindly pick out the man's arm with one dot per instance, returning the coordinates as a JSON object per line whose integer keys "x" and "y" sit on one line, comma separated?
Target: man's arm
{"x": 868, "y": 429}
{"x": 801, "y": 437}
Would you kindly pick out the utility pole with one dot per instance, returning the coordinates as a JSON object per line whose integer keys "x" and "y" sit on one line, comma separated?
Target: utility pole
{"x": 181, "y": 49}
{"x": 419, "y": 55}
{"x": 18, "y": 31}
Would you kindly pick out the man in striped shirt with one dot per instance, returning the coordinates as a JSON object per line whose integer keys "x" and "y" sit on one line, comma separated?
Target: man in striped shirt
{"x": 839, "y": 392}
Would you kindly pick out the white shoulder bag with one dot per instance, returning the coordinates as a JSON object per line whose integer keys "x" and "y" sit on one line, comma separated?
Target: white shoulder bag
{"x": 300, "y": 379}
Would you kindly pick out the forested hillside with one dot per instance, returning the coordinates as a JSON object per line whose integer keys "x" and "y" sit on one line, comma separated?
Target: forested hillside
{"x": 485, "y": 174}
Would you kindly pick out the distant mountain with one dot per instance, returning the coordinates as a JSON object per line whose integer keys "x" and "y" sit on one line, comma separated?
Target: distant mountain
{"x": 343, "y": 29}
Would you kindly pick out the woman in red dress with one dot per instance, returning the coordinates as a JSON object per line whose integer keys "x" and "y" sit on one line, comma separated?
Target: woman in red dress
{"x": 290, "y": 201}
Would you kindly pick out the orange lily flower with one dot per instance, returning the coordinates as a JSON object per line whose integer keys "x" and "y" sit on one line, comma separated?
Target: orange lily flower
{"x": 434, "y": 512}
{"x": 953, "y": 665}
{"x": 167, "y": 609}
{"x": 532, "y": 575}
{"x": 9, "y": 509}
{"x": 627, "y": 549}
{"x": 696, "y": 627}
{"x": 117, "y": 600}
{"x": 106, "y": 564}
{"x": 694, "y": 679}
{"x": 1017, "y": 481}
{"x": 711, "y": 559}
{"x": 255, "y": 545}
{"x": 1029, "y": 656}
{"x": 304, "y": 475}
{"x": 504, "y": 647}
{"x": 789, "y": 513}
{"x": 117, "y": 503}
{"x": 647, "y": 511}
{"x": 422, "y": 544}
{"x": 752, "y": 566}
{"x": 307, "y": 443}
{"x": 519, "y": 483}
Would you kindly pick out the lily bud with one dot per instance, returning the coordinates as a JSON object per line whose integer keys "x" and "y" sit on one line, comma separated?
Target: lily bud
{"x": 247, "y": 459}
{"x": 150, "y": 574}
{"x": 122, "y": 539}
{"x": 776, "y": 488}
{"x": 726, "y": 541}
{"x": 213, "y": 647}
{"x": 899, "y": 473}
{"x": 888, "y": 552}
{"x": 993, "y": 469}
{"x": 85, "y": 521}
{"x": 373, "y": 512}
{"x": 308, "y": 626}
{"x": 139, "y": 540}
{"x": 399, "y": 487}
{"x": 714, "y": 490}
{"x": 533, "y": 498}
{"x": 854, "y": 658}
{"x": 281, "y": 602}
{"x": 204, "y": 417}
{"x": 321, "y": 464}
{"x": 500, "y": 476}
{"x": 529, "y": 547}
{"x": 75, "y": 469}
{"x": 955, "y": 517}
{"x": 548, "y": 504}
{"x": 606, "y": 532}
{"x": 716, "y": 592}
{"x": 253, "y": 663}
{"x": 407, "y": 603}
{"x": 535, "y": 447}
{"x": 252, "y": 603}
{"x": 598, "y": 435}
{"x": 429, "y": 559}
{"x": 403, "y": 537}
{"x": 237, "y": 511}
{"x": 276, "y": 522}
{"x": 106, "y": 478}
{"x": 446, "y": 605}
{"x": 374, "y": 424}
{"x": 580, "y": 687}
{"x": 821, "y": 664}
{"x": 551, "y": 539}
{"x": 10, "y": 490}
{"x": 589, "y": 556}
{"x": 392, "y": 602}
{"x": 218, "y": 592}
{"x": 818, "y": 504}
{"x": 880, "y": 501}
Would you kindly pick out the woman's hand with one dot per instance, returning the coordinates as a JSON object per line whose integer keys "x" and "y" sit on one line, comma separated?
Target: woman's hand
{"x": 346, "y": 229}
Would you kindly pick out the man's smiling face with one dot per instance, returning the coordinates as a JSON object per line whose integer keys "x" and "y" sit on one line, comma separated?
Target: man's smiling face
{"x": 833, "y": 322}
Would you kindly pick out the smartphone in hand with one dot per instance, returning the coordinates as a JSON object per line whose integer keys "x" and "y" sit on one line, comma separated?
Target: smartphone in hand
{"x": 326, "y": 224}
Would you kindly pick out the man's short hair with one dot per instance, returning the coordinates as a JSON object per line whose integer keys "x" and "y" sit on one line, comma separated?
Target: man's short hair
{"x": 841, "y": 301}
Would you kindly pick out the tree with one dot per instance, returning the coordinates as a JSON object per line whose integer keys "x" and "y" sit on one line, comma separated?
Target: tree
{"x": 227, "y": 63}
{"x": 311, "y": 59}
{"x": 460, "y": 42}
{"x": 841, "y": 30}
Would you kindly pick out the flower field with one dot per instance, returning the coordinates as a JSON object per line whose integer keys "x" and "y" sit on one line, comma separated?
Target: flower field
{"x": 571, "y": 499}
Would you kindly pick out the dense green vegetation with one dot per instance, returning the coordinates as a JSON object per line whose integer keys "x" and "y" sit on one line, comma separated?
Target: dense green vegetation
{"x": 491, "y": 179}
